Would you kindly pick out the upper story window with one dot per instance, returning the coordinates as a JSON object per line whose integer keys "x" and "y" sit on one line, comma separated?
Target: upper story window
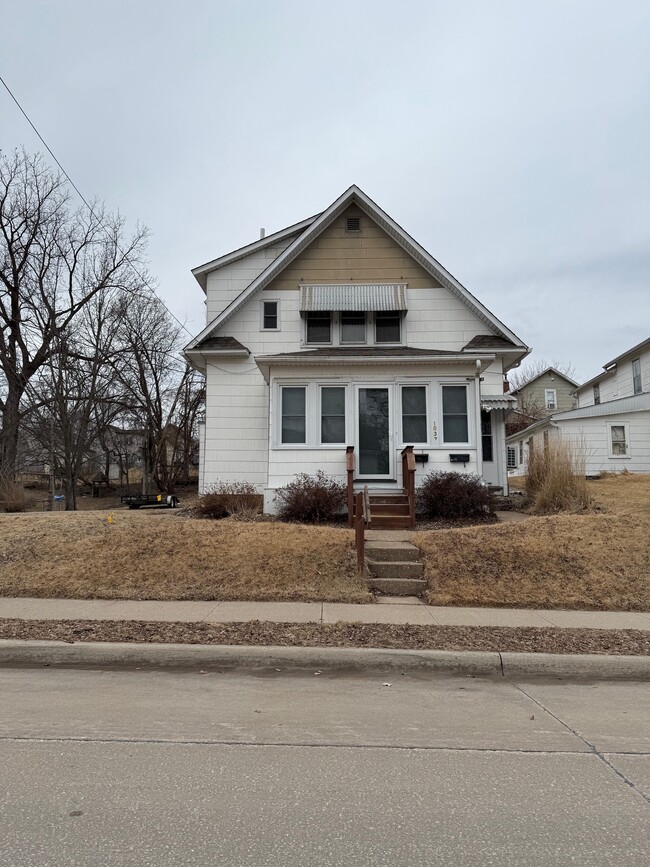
{"x": 596, "y": 395}
{"x": 388, "y": 326}
{"x": 637, "y": 385}
{"x": 353, "y": 326}
{"x": 318, "y": 327}
{"x": 271, "y": 315}
{"x": 550, "y": 398}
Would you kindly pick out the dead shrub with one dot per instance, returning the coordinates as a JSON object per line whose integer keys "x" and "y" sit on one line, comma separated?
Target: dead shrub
{"x": 13, "y": 497}
{"x": 224, "y": 499}
{"x": 556, "y": 481}
{"x": 311, "y": 499}
{"x": 454, "y": 495}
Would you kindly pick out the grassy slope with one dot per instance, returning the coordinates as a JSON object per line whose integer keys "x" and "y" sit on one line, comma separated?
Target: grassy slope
{"x": 159, "y": 555}
{"x": 595, "y": 561}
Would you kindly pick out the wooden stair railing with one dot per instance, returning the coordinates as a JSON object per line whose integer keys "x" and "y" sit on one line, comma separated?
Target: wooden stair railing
{"x": 349, "y": 465}
{"x": 361, "y": 521}
{"x": 408, "y": 480}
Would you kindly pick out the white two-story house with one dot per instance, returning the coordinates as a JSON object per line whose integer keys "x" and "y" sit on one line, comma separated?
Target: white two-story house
{"x": 342, "y": 331}
{"x": 609, "y": 429}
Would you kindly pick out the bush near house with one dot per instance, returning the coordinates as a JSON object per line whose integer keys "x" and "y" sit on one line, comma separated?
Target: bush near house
{"x": 311, "y": 499}
{"x": 453, "y": 495}
{"x": 230, "y": 498}
{"x": 555, "y": 480}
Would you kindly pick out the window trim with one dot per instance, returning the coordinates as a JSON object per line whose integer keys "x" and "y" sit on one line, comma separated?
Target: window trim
{"x": 346, "y": 414}
{"x": 306, "y": 341}
{"x": 610, "y": 445}
{"x": 427, "y": 401}
{"x": 636, "y": 377}
{"x": 470, "y": 420}
{"x": 279, "y": 416}
{"x": 275, "y": 301}
{"x": 511, "y": 465}
{"x": 552, "y": 391}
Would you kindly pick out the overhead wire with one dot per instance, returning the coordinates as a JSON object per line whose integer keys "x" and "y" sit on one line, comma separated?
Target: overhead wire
{"x": 140, "y": 276}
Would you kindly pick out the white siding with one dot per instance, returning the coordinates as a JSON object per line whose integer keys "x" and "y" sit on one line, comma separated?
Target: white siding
{"x": 225, "y": 284}
{"x": 618, "y": 383}
{"x": 590, "y": 438}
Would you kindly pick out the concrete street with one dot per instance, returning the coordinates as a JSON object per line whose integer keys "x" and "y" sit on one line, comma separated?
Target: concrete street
{"x": 175, "y": 768}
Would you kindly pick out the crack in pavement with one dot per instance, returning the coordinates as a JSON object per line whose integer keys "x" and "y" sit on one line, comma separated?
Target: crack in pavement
{"x": 592, "y": 747}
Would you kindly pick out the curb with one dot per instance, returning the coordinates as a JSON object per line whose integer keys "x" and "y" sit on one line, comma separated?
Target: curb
{"x": 477, "y": 663}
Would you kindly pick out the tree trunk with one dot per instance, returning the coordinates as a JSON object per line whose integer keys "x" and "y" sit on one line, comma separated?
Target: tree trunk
{"x": 9, "y": 434}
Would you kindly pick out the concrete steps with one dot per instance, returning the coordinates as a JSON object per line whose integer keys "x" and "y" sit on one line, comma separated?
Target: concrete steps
{"x": 395, "y": 568}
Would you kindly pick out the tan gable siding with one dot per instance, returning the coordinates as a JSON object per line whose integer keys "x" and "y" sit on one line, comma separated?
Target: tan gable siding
{"x": 340, "y": 256}
{"x": 534, "y": 393}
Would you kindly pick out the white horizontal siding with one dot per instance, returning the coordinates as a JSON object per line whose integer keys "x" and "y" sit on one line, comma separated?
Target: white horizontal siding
{"x": 590, "y": 439}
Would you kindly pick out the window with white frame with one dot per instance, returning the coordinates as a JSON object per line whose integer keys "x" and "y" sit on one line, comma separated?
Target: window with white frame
{"x": 294, "y": 419}
{"x": 353, "y": 326}
{"x": 637, "y": 385}
{"x": 388, "y": 326}
{"x": 512, "y": 457}
{"x": 414, "y": 414}
{"x": 455, "y": 422}
{"x": 270, "y": 315}
{"x": 596, "y": 395}
{"x": 619, "y": 445}
{"x": 318, "y": 326}
{"x": 332, "y": 414}
{"x": 550, "y": 398}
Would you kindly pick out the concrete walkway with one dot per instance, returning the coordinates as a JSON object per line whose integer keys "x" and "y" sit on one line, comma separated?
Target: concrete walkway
{"x": 402, "y": 610}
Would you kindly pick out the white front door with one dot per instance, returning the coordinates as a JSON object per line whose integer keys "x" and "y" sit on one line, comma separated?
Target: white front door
{"x": 374, "y": 430}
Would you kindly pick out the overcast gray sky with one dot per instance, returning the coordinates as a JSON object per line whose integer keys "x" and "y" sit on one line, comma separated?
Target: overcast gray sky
{"x": 511, "y": 139}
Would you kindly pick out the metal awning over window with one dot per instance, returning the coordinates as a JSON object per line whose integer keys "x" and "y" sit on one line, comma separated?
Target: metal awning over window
{"x": 385, "y": 296}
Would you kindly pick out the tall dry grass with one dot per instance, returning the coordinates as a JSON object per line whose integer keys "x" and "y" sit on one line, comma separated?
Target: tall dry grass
{"x": 12, "y": 496}
{"x": 555, "y": 479}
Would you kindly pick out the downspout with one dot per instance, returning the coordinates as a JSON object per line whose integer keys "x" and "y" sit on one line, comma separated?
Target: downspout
{"x": 479, "y": 431}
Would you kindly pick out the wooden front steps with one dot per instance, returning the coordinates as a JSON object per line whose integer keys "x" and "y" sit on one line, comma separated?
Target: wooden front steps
{"x": 395, "y": 568}
{"x": 389, "y": 511}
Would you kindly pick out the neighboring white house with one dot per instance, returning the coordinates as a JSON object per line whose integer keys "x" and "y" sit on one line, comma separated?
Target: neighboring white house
{"x": 343, "y": 331}
{"x": 609, "y": 429}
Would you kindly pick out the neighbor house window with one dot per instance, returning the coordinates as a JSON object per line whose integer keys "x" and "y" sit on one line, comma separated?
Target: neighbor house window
{"x": 353, "y": 326}
{"x": 319, "y": 327}
{"x": 455, "y": 426}
{"x": 550, "y": 398}
{"x": 512, "y": 457}
{"x": 294, "y": 427}
{"x": 596, "y": 395}
{"x": 270, "y": 316}
{"x": 618, "y": 440}
{"x": 388, "y": 326}
{"x": 414, "y": 414}
{"x": 521, "y": 452}
{"x": 332, "y": 415}
{"x": 636, "y": 376}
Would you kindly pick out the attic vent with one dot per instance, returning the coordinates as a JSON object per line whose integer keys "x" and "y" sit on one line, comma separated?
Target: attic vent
{"x": 353, "y": 224}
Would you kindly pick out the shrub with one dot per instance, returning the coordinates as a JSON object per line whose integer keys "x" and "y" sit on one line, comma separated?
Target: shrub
{"x": 453, "y": 495}
{"x": 555, "y": 479}
{"x": 230, "y": 498}
{"x": 311, "y": 499}
{"x": 12, "y": 497}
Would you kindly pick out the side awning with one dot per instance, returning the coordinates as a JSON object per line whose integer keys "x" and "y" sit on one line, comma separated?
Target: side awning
{"x": 383, "y": 296}
{"x": 497, "y": 401}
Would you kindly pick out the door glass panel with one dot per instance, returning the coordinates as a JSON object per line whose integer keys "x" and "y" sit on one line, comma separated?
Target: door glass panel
{"x": 374, "y": 433}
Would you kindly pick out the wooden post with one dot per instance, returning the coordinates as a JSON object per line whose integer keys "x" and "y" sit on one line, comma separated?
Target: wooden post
{"x": 360, "y": 532}
{"x": 408, "y": 480}
{"x": 349, "y": 465}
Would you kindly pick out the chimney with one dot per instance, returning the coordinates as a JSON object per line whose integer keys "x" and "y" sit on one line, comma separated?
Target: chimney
{"x": 262, "y": 233}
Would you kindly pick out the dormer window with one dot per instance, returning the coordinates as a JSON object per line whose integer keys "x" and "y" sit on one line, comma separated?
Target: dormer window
{"x": 388, "y": 326}
{"x": 353, "y": 326}
{"x": 318, "y": 327}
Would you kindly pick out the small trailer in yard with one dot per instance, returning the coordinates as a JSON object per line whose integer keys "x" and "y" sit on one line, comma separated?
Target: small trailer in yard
{"x": 160, "y": 501}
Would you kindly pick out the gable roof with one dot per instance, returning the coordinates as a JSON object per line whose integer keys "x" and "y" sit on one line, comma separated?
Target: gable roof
{"x": 201, "y": 271}
{"x": 354, "y": 195}
{"x": 553, "y": 370}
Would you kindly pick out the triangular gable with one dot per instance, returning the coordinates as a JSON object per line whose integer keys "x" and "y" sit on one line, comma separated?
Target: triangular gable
{"x": 354, "y": 195}
{"x": 552, "y": 370}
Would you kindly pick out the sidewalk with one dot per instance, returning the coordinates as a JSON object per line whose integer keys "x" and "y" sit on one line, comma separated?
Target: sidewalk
{"x": 402, "y": 610}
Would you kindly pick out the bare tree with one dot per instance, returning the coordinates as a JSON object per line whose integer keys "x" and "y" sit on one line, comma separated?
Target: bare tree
{"x": 529, "y": 407}
{"x": 53, "y": 261}
{"x": 531, "y": 369}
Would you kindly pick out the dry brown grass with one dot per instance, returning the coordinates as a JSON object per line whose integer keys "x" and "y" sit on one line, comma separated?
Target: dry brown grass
{"x": 622, "y": 494}
{"x": 599, "y": 562}
{"x": 160, "y": 555}
{"x": 556, "y": 480}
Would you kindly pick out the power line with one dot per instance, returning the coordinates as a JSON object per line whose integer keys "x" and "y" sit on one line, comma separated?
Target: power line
{"x": 87, "y": 204}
